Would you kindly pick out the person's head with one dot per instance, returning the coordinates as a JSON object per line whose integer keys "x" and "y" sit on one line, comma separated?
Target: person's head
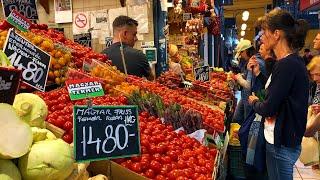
{"x": 173, "y": 53}
{"x": 265, "y": 53}
{"x": 316, "y": 42}
{"x": 314, "y": 68}
{"x": 125, "y": 30}
{"x": 281, "y": 29}
{"x": 244, "y": 50}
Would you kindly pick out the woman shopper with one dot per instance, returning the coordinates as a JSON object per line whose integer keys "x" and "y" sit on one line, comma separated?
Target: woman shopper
{"x": 269, "y": 58}
{"x": 245, "y": 51}
{"x": 286, "y": 102}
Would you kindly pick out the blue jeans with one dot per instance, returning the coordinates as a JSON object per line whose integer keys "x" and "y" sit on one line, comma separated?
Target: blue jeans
{"x": 280, "y": 161}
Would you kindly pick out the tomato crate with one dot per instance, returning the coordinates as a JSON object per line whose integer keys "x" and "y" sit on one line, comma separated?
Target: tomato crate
{"x": 236, "y": 163}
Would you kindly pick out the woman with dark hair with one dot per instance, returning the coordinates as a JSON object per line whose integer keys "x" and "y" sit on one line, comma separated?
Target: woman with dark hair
{"x": 245, "y": 51}
{"x": 286, "y": 102}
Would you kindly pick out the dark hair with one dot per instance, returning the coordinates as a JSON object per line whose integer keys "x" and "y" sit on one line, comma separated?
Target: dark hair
{"x": 295, "y": 30}
{"x": 251, "y": 51}
{"x": 122, "y": 21}
{"x": 307, "y": 50}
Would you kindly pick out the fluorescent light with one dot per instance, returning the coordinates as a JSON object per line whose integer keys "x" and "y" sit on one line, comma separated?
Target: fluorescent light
{"x": 242, "y": 33}
{"x": 243, "y": 26}
{"x": 245, "y": 15}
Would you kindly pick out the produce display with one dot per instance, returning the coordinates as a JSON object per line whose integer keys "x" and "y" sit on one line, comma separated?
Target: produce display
{"x": 8, "y": 170}
{"x": 31, "y": 153}
{"x": 16, "y": 134}
{"x": 201, "y": 91}
{"x": 61, "y": 108}
{"x": 109, "y": 74}
{"x": 212, "y": 119}
{"x": 79, "y": 53}
{"x": 169, "y": 155}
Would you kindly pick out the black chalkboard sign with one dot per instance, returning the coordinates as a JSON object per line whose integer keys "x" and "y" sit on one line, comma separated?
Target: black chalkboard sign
{"x": 202, "y": 73}
{"x": 9, "y": 84}
{"x": 27, "y": 8}
{"x": 83, "y": 39}
{"x": 105, "y": 132}
{"x": 33, "y": 61}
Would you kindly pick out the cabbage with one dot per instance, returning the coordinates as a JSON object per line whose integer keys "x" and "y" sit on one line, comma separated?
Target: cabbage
{"x": 31, "y": 108}
{"x": 9, "y": 171}
{"x": 49, "y": 160}
{"x": 15, "y": 134}
{"x": 42, "y": 134}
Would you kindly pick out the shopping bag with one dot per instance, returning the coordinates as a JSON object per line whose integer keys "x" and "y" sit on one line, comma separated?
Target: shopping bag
{"x": 252, "y": 141}
{"x": 309, "y": 151}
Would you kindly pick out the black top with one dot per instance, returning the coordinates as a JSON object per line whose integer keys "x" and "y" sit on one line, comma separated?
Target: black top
{"x": 287, "y": 100}
{"x": 136, "y": 61}
{"x": 269, "y": 63}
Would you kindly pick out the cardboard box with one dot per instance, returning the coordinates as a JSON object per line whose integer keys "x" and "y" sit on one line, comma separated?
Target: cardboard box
{"x": 113, "y": 171}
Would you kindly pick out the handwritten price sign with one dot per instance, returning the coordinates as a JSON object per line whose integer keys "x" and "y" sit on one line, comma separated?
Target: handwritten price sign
{"x": 83, "y": 39}
{"x": 202, "y": 73}
{"x": 27, "y": 57}
{"x": 105, "y": 132}
{"x": 28, "y": 8}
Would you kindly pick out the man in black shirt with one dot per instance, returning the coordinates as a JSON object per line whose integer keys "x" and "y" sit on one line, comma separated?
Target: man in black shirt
{"x": 125, "y": 32}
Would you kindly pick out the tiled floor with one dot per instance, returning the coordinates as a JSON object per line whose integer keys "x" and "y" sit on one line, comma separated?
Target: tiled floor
{"x": 301, "y": 172}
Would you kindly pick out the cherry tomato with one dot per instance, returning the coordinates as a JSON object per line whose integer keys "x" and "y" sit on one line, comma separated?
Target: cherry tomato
{"x": 155, "y": 165}
{"x": 150, "y": 173}
{"x": 67, "y": 126}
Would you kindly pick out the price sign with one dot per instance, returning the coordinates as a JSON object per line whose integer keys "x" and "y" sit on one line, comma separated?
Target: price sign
{"x": 202, "y": 73}
{"x": 27, "y": 57}
{"x": 9, "y": 84}
{"x": 108, "y": 41}
{"x": 187, "y": 16}
{"x": 151, "y": 54}
{"x": 105, "y": 132}
{"x": 84, "y": 88}
{"x": 19, "y": 21}
{"x": 27, "y": 8}
{"x": 83, "y": 39}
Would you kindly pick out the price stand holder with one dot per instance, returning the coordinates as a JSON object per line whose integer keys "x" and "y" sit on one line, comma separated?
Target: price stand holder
{"x": 105, "y": 132}
{"x": 27, "y": 57}
{"x": 84, "y": 88}
{"x": 19, "y": 21}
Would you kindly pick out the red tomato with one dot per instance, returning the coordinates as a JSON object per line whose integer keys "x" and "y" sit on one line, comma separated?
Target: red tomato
{"x": 136, "y": 167}
{"x": 150, "y": 173}
{"x": 155, "y": 165}
{"x": 67, "y": 126}
{"x": 160, "y": 177}
{"x": 166, "y": 160}
{"x": 67, "y": 138}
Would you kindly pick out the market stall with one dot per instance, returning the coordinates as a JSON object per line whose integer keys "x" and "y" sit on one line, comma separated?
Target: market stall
{"x": 126, "y": 125}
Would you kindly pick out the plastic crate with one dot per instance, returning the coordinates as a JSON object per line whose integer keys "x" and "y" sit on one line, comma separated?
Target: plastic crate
{"x": 236, "y": 164}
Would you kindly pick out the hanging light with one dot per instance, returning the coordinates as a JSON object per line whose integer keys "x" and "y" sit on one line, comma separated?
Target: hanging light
{"x": 243, "y": 26}
{"x": 242, "y": 33}
{"x": 245, "y": 15}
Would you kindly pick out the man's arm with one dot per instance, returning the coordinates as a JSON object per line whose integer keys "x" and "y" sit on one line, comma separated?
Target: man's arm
{"x": 146, "y": 67}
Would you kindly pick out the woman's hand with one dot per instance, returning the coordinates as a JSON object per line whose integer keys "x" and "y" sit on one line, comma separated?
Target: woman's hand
{"x": 253, "y": 65}
{"x": 252, "y": 99}
{"x": 313, "y": 123}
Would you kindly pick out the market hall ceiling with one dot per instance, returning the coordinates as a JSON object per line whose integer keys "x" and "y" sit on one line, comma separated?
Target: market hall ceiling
{"x": 256, "y": 9}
